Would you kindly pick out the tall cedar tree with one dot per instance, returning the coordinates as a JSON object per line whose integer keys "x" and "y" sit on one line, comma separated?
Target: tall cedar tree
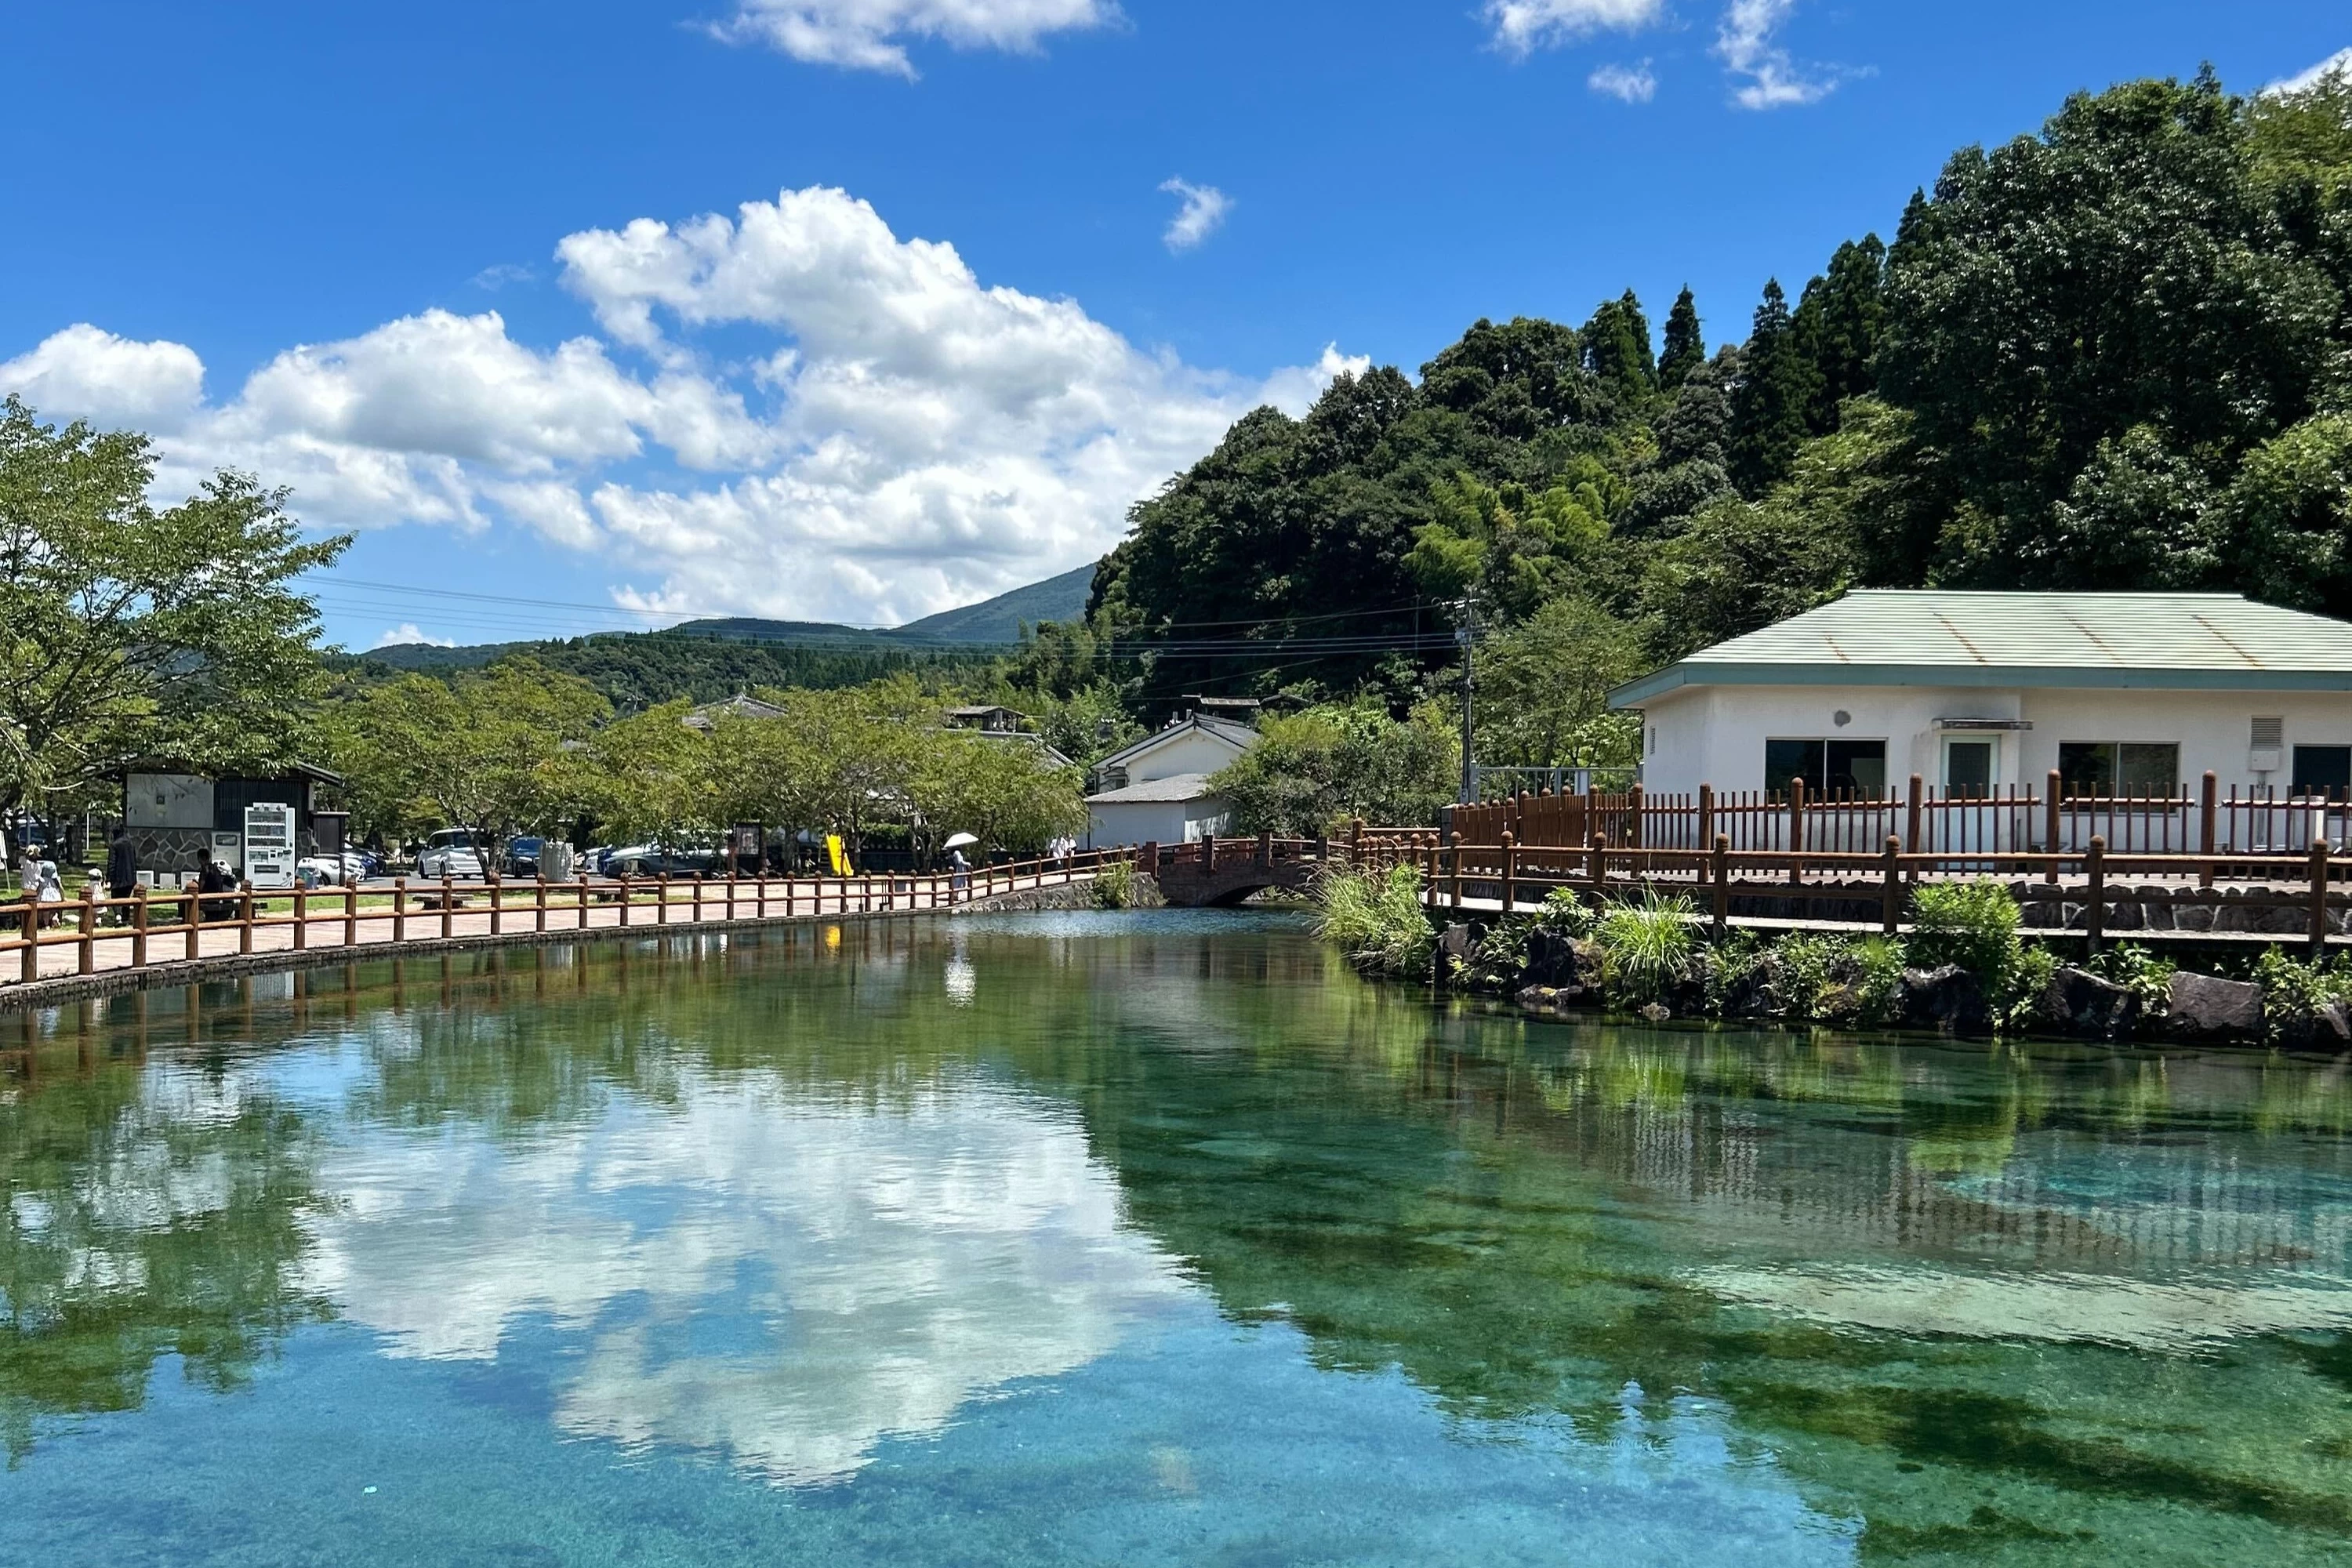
{"x": 1617, "y": 351}
{"x": 1685, "y": 343}
{"x": 1776, "y": 392}
{"x": 1837, "y": 325}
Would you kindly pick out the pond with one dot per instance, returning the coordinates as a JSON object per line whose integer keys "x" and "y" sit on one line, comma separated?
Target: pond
{"x": 1139, "y": 1239}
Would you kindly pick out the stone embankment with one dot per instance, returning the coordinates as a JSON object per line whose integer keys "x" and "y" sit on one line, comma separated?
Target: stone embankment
{"x": 1564, "y": 975}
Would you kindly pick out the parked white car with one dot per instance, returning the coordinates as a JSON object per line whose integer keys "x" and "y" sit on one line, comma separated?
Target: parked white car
{"x": 449, "y": 853}
{"x": 335, "y": 871}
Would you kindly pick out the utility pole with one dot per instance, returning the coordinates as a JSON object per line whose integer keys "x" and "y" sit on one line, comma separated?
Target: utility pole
{"x": 1465, "y": 637}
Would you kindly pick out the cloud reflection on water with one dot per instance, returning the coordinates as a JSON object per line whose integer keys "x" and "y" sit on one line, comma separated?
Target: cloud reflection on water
{"x": 783, "y": 1280}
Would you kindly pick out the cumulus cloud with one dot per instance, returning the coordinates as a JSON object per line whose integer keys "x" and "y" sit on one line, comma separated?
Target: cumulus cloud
{"x": 1744, "y": 43}
{"x": 906, "y": 438}
{"x": 406, "y": 635}
{"x": 2338, "y": 63}
{"x": 82, "y": 372}
{"x": 1633, "y": 84}
{"x": 1203, "y": 214}
{"x": 871, "y": 35}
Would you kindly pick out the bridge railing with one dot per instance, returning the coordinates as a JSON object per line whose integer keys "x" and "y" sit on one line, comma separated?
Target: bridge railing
{"x": 157, "y": 926}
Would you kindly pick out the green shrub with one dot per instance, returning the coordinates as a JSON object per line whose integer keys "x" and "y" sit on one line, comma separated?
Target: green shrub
{"x": 1376, "y": 919}
{"x": 1115, "y": 887}
{"x": 1803, "y": 973}
{"x": 1972, "y": 925}
{"x": 1646, "y": 947}
{"x": 1500, "y": 956}
{"x": 2015, "y": 995}
{"x": 1878, "y": 979}
{"x": 2295, "y": 988}
{"x": 2143, "y": 974}
{"x": 1726, "y": 967}
{"x": 1564, "y": 914}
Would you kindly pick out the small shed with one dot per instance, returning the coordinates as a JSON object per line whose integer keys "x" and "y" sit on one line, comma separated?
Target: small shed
{"x": 173, "y": 818}
{"x": 987, "y": 718}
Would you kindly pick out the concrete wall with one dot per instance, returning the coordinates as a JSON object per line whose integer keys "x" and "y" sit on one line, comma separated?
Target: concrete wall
{"x": 1716, "y": 736}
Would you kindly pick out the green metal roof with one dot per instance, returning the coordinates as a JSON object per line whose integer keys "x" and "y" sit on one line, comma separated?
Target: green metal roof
{"x": 1932, "y": 637}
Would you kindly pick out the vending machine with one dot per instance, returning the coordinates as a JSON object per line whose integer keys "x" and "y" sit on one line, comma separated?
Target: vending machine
{"x": 269, "y": 849}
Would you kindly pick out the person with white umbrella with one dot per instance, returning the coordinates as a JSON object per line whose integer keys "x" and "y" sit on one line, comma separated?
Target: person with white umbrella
{"x": 959, "y": 869}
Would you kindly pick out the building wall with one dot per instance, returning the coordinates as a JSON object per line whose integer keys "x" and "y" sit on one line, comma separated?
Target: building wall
{"x": 1112, "y": 826}
{"x": 1715, "y": 734}
{"x": 1188, "y": 751}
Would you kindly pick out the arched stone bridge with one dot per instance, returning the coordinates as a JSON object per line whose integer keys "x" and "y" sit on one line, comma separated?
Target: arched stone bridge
{"x": 1227, "y": 870}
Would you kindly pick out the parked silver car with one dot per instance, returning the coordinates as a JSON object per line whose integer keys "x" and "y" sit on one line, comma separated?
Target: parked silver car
{"x": 449, "y": 853}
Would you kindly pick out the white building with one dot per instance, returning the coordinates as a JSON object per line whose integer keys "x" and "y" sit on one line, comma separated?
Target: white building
{"x": 1157, "y": 790}
{"x": 2136, "y": 693}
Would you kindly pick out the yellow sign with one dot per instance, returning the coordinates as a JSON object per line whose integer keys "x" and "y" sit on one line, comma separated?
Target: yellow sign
{"x": 836, "y": 855}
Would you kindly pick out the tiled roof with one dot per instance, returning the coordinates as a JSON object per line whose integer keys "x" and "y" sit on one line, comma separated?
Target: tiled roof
{"x": 1173, "y": 788}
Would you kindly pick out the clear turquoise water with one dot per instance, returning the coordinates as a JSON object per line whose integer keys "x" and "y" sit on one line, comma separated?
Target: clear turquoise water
{"x": 1139, "y": 1239}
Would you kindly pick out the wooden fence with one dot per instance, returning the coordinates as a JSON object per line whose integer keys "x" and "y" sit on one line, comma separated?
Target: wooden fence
{"x": 156, "y": 927}
{"x": 2003, "y": 822}
{"x": 2091, "y": 892}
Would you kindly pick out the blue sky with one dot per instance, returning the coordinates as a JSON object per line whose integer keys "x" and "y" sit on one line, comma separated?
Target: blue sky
{"x": 450, "y": 272}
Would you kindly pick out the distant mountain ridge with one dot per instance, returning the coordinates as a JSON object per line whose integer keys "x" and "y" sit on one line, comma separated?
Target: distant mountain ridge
{"x": 970, "y": 629}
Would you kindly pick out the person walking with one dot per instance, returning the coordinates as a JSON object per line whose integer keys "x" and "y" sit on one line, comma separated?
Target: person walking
{"x": 121, "y": 869}
{"x": 958, "y": 873}
{"x": 51, "y": 893}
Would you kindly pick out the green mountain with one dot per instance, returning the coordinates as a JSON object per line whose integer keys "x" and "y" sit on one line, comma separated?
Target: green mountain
{"x": 999, "y": 620}
{"x": 707, "y": 659}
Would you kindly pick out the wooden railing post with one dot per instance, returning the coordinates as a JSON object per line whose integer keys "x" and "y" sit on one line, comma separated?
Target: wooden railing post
{"x": 449, "y": 906}
{"x": 2319, "y": 852}
{"x": 350, "y": 912}
{"x": 86, "y": 960}
{"x": 699, "y": 880}
{"x": 1510, "y": 871}
{"x": 1355, "y": 844}
{"x": 301, "y": 917}
{"x": 29, "y": 965}
{"x": 2094, "y": 908}
{"x": 1456, "y": 870}
{"x": 2052, "y": 830}
{"x": 1635, "y": 836}
{"x": 626, "y": 912}
{"x": 582, "y": 923}
{"x": 2209, "y": 843}
{"x": 400, "y": 908}
{"x": 1796, "y": 832}
{"x": 1720, "y": 877}
{"x": 1890, "y": 894}
{"x": 1705, "y": 817}
{"x": 139, "y": 915}
{"x": 245, "y": 915}
{"x": 195, "y": 923}
{"x": 1915, "y": 812}
{"x": 1596, "y": 863}
{"x": 538, "y": 906}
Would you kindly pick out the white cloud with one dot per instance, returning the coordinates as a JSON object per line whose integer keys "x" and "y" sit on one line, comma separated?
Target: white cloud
{"x": 505, "y": 272}
{"x": 906, "y": 438}
{"x": 1633, "y": 84}
{"x": 82, "y": 372}
{"x": 871, "y": 35}
{"x": 406, "y": 635}
{"x": 2303, "y": 82}
{"x": 1522, "y": 26}
{"x": 1744, "y": 43}
{"x": 1203, "y": 214}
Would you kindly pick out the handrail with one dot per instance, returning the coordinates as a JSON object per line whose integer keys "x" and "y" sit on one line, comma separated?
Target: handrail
{"x": 154, "y": 927}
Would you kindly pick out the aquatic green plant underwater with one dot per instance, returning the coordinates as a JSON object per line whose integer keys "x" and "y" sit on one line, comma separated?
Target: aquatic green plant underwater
{"x": 1143, "y": 1239}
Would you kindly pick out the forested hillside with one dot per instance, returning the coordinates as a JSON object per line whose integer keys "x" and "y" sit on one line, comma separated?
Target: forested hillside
{"x": 2117, "y": 353}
